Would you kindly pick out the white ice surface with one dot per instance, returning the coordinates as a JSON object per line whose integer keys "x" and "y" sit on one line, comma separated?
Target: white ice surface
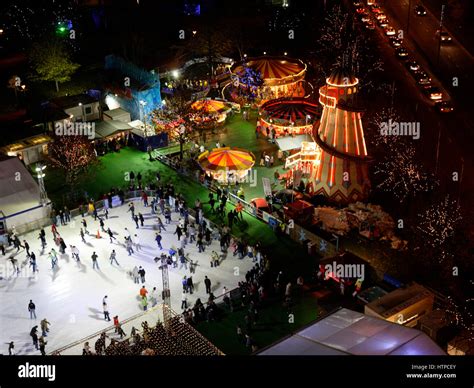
{"x": 71, "y": 297}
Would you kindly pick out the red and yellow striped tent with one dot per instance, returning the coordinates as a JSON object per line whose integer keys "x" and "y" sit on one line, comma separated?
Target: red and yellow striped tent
{"x": 226, "y": 159}
{"x": 211, "y": 106}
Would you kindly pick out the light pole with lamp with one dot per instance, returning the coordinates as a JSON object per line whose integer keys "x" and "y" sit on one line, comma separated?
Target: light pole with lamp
{"x": 40, "y": 171}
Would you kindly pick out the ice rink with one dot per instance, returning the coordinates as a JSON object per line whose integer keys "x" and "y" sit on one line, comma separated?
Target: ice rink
{"x": 70, "y": 297}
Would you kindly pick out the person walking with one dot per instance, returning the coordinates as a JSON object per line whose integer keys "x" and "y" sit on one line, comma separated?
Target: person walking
{"x": 141, "y": 272}
{"x": 111, "y": 235}
{"x": 94, "y": 260}
{"x": 113, "y": 258}
{"x": 207, "y": 283}
{"x": 32, "y": 309}
{"x": 34, "y": 336}
{"x": 106, "y": 310}
{"x": 158, "y": 240}
{"x": 44, "y": 327}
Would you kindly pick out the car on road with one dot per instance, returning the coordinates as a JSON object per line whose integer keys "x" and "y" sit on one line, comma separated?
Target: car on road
{"x": 389, "y": 31}
{"x": 375, "y": 9}
{"x": 413, "y": 66}
{"x": 381, "y": 16}
{"x": 443, "y": 106}
{"x": 396, "y": 42}
{"x": 383, "y": 23}
{"x": 361, "y": 10}
{"x": 402, "y": 52}
{"x": 370, "y": 25}
{"x": 433, "y": 93}
{"x": 365, "y": 18}
{"x": 445, "y": 37}
{"x": 357, "y": 3}
{"x": 420, "y": 10}
{"x": 422, "y": 78}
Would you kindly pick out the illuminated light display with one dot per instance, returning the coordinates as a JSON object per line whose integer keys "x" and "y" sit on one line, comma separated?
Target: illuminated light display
{"x": 342, "y": 173}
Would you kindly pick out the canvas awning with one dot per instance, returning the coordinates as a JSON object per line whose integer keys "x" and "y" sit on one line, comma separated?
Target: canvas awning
{"x": 289, "y": 143}
{"x": 104, "y": 129}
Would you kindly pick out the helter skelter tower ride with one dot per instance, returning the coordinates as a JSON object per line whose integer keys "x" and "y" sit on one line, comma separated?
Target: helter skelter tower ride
{"x": 342, "y": 171}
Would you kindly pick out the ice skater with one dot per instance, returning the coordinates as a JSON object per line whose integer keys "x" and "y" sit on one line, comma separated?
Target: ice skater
{"x": 32, "y": 309}
{"x": 44, "y": 327}
{"x": 141, "y": 272}
{"x": 106, "y": 309}
{"x": 113, "y": 257}
{"x": 136, "y": 241}
{"x": 54, "y": 258}
{"x": 111, "y": 235}
{"x": 94, "y": 260}
{"x": 158, "y": 240}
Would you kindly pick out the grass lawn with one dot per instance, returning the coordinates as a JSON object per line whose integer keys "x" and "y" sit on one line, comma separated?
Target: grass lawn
{"x": 273, "y": 324}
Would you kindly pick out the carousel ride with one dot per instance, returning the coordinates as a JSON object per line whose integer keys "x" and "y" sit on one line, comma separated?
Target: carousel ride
{"x": 281, "y": 76}
{"x": 287, "y": 116}
{"x": 227, "y": 165}
{"x": 209, "y": 112}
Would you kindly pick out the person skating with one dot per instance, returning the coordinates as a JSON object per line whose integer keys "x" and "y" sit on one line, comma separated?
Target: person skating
{"x": 82, "y": 236}
{"x": 16, "y": 268}
{"x": 135, "y": 218}
{"x": 158, "y": 240}
{"x": 214, "y": 259}
{"x": 27, "y": 247}
{"x": 184, "y": 283}
{"x": 111, "y": 235}
{"x": 141, "y": 272}
{"x": 42, "y": 345}
{"x": 207, "y": 283}
{"x": 182, "y": 260}
{"x": 136, "y": 241}
{"x": 160, "y": 224}
{"x": 43, "y": 239}
{"x": 54, "y": 258}
{"x": 184, "y": 301}
{"x": 144, "y": 303}
{"x": 135, "y": 275}
{"x": 11, "y": 348}
{"x": 142, "y": 220}
{"x": 44, "y": 327}
{"x": 106, "y": 309}
{"x": 190, "y": 285}
{"x": 94, "y": 261}
{"x": 128, "y": 244}
{"x": 84, "y": 225}
{"x": 200, "y": 244}
{"x": 75, "y": 253}
{"x": 143, "y": 291}
{"x": 32, "y": 309}
{"x": 116, "y": 323}
{"x": 102, "y": 225}
{"x": 33, "y": 262}
{"x": 34, "y": 336}
{"x": 113, "y": 258}
{"x": 154, "y": 297}
{"x": 178, "y": 232}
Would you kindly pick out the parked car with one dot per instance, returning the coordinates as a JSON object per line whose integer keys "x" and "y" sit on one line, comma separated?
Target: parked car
{"x": 396, "y": 42}
{"x": 402, "y": 52}
{"x": 422, "y": 78}
{"x": 445, "y": 37}
{"x": 420, "y": 10}
{"x": 443, "y": 106}
{"x": 433, "y": 93}
{"x": 390, "y": 31}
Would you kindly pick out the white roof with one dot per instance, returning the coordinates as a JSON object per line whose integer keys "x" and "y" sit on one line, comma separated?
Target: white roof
{"x": 347, "y": 332}
{"x": 18, "y": 190}
{"x": 288, "y": 143}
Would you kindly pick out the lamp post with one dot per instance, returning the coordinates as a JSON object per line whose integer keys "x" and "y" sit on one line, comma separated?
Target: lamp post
{"x": 440, "y": 31}
{"x": 40, "y": 171}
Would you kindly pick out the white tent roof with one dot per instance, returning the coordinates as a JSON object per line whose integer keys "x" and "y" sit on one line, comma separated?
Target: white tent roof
{"x": 288, "y": 143}
{"x": 18, "y": 190}
{"x": 347, "y": 332}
